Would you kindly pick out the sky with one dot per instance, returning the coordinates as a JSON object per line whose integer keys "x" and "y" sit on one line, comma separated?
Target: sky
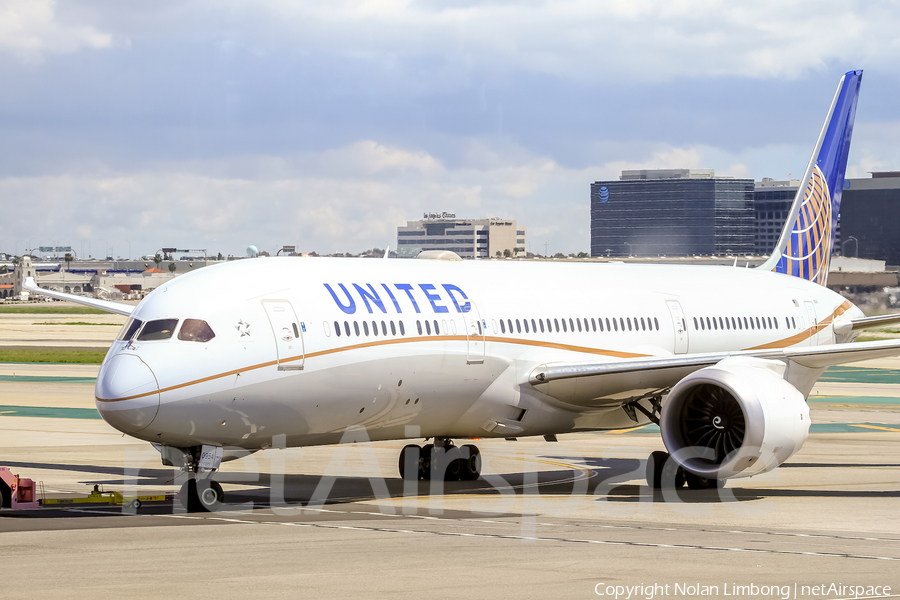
{"x": 128, "y": 127}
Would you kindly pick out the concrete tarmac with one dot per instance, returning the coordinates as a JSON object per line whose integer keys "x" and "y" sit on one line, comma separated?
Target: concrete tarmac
{"x": 548, "y": 520}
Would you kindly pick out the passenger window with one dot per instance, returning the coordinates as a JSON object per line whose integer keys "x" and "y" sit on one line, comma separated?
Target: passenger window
{"x": 161, "y": 329}
{"x": 593, "y": 324}
{"x": 794, "y": 323}
{"x": 374, "y": 328}
{"x": 419, "y": 326}
{"x": 337, "y": 328}
{"x": 502, "y": 326}
{"x": 727, "y": 323}
{"x": 366, "y": 328}
{"x": 715, "y": 325}
{"x": 195, "y": 330}
{"x": 534, "y": 327}
{"x": 130, "y": 328}
{"x": 347, "y": 328}
{"x": 702, "y": 327}
{"x": 695, "y": 323}
{"x": 427, "y": 327}
{"x": 775, "y": 321}
{"x": 356, "y": 327}
{"x": 643, "y": 327}
{"x": 393, "y": 329}
{"x": 541, "y": 321}
{"x": 578, "y": 321}
{"x": 509, "y": 325}
{"x": 622, "y": 323}
{"x": 556, "y": 322}
{"x": 402, "y": 328}
{"x": 384, "y": 328}
{"x": 525, "y": 323}
{"x": 655, "y": 322}
{"x": 757, "y": 323}
{"x": 436, "y": 330}
{"x": 615, "y": 325}
{"x": 518, "y": 326}
{"x": 629, "y": 323}
{"x": 564, "y": 326}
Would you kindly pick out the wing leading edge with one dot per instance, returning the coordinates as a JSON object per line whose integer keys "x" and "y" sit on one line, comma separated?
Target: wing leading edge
{"x": 105, "y": 305}
{"x": 587, "y": 381}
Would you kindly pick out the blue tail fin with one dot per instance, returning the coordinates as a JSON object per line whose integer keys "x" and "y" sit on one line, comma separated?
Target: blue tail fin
{"x": 804, "y": 248}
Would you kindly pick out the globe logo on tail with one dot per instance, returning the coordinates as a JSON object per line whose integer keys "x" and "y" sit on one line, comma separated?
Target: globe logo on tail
{"x": 604, "y": 194}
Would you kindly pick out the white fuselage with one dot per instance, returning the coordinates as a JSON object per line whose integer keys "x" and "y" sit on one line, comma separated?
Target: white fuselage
{"x": 489, "y": 324}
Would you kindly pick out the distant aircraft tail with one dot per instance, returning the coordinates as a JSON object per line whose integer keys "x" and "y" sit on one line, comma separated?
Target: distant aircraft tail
{"x": 806, "y": 242}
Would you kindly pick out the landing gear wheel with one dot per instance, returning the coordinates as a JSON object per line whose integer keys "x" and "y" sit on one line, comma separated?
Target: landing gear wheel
{"x": 453, "y": 464}
{"x": 471, "y": 462}
{"x": 672, "y": 474}
{"x": 655, "y": 468}
{"x": 411, "y": 462}
{"x": 695, "y": 482}
{"x": 205, "y": 496}
{"x": 425, "y": 463}
{"x": 209, "y": 495}
{"x": 135, "y": 504}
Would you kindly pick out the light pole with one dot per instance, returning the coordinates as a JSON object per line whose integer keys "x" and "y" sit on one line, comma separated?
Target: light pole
{"x": 855, "y": 244}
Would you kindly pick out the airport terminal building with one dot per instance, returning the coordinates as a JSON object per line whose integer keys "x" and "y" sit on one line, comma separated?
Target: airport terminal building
{"x": 469, "y": 238}
{"x": 672, "y": 212}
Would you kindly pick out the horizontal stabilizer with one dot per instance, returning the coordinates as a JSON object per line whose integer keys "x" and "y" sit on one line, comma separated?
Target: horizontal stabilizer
{"x": 104, "y": 305}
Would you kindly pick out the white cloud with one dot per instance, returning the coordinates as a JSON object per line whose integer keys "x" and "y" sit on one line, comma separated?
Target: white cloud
{"x": 603, "y": 41}
{"x": 30, "y": 29}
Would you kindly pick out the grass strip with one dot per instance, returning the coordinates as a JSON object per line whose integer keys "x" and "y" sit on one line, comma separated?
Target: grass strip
{"x": 51, "y": 310}
{"x": 51, "y": 355}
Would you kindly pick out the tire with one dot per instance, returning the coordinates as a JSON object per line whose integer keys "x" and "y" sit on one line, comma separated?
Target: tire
{"x": 413, "y": 455}
{"x": 695, "y": 482}
{"x": 672, "y": 474}
{"x": 655, "y": 468}
{"x": 209, "y": 495}
{"x": 425, "y": 463}
{"x": 471, "y": 462}
{"x": 453, "y": 464}
{"x": 135, "y": 504}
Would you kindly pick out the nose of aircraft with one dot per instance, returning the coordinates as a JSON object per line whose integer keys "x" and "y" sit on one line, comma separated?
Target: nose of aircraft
{"x": 127, "y": 393}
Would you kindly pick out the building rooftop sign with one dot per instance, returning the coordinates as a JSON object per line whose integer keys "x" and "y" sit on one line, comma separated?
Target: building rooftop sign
{"x": 439, "y": 215}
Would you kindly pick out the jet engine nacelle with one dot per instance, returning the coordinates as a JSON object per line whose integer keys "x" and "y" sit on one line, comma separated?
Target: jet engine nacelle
{"x": 736, "y": 419}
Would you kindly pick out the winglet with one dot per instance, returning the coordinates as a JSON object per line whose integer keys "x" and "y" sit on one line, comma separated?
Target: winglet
{"x": 105, "y": 305}
{"x": 804, "y": 248}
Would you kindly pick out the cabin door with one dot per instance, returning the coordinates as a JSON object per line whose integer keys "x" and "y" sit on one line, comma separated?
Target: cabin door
{"x": 288, "y": 331}
{"x": 811, "y": 317}
{"x": 474, "y": 335}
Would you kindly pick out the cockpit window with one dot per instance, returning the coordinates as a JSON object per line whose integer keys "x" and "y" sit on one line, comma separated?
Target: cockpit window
{"x": 130, "y": 328}
{"x": 195, "y": 330}
{"x": 161, "y": 329}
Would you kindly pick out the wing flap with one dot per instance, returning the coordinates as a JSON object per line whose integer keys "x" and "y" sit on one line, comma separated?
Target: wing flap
{"x": 105, "y": 305}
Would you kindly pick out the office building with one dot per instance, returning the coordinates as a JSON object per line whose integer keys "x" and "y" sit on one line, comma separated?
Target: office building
{"x": 469, "y": 238}
{"x": 672, "y": 212}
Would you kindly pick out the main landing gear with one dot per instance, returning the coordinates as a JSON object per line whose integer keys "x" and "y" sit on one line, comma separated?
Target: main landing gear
{"x": 663, "y": 471}
{"x": 440, "y": 460}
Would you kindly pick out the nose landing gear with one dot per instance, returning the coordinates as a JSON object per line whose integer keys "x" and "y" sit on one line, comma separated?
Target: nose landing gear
{"x": 441, "y": 460}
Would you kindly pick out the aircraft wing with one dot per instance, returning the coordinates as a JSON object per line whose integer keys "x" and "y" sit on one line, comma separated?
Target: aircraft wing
{"x": 845, "y": 326}
{"x": 604, "y": 383}
{"x": 113, "y": 307}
